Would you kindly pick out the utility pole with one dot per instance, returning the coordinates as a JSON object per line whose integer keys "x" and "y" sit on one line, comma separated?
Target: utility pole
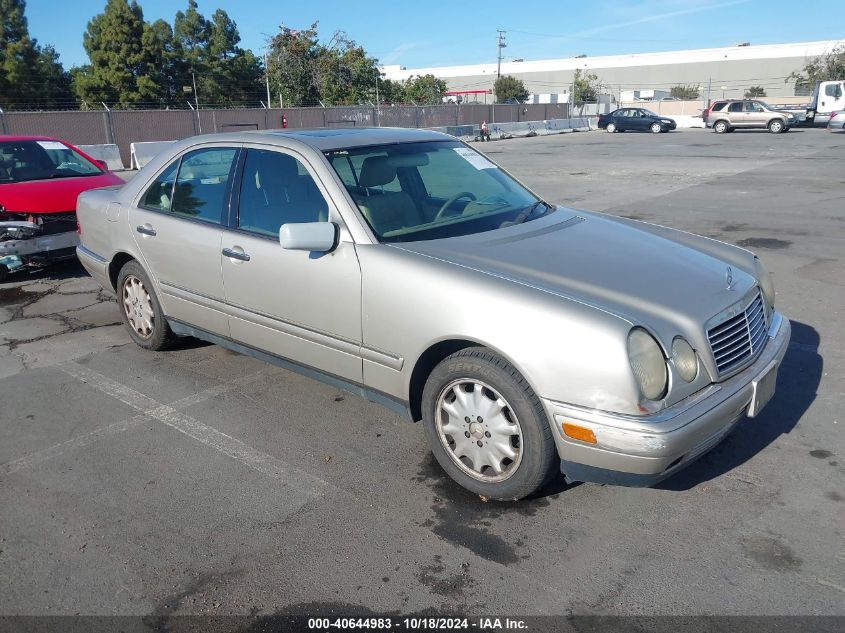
{"x": 267, "y": 78}
{"x": 500, "y": 43}
{"x": 197, "y": 101}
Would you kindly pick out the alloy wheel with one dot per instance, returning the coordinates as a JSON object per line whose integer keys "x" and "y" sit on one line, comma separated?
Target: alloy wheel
{"x": 138, "y": 307}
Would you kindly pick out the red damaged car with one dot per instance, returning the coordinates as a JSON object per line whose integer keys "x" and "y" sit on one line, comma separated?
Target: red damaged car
{"x": 40, "y": 179}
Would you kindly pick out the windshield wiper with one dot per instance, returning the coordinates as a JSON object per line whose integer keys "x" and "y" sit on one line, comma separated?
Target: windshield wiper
{"x": 526, "y": 213}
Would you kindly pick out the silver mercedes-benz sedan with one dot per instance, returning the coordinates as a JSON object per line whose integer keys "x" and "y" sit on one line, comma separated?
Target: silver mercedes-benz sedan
{"x": 406, "y": 267}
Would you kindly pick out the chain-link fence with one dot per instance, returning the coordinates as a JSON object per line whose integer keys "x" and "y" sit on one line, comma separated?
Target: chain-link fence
{"x": 123, "y": 127}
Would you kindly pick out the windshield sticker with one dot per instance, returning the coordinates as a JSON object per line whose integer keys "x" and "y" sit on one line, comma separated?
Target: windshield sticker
{"x": 474, "y": 158}
{"x": 52, "y": 145}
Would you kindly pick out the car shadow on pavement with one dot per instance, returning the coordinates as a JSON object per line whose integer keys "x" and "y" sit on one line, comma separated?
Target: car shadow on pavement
{"x": 798, "y": 381}
{"x": 57, "y": 271}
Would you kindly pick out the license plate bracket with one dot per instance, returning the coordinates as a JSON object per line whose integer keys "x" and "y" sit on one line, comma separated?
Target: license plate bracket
{"x": 764, "y": 388}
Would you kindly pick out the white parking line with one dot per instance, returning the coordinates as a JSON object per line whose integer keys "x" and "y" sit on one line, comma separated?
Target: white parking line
{"x": 96, "y": 435}
{"x": 262, "y": 462}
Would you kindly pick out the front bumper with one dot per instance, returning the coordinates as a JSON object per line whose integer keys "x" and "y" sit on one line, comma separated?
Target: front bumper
{"x": 642, "y": 450}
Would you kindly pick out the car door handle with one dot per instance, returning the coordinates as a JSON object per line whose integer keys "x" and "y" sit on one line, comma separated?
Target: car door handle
{"x": 146, "y": 229}
{"x": 228, "y": 252}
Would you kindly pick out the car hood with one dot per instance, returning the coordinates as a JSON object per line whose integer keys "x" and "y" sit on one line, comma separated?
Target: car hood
{"x": 51, "y": 196}
{"x": 630, "y": 272}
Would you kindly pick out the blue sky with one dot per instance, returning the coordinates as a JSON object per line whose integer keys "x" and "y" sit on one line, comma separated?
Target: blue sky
{"x": 438, "y": 33}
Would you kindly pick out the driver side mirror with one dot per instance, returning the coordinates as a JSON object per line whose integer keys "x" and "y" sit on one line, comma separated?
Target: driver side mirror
{"x": 102, "y": 164}
{"x": 309, "y": 236}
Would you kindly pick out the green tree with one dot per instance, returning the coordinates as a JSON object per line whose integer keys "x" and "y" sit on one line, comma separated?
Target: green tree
{"x": 390, "y": 91}
{"x": 234, "y": 73}
{"x": 508, "y": 87}
{"x": 29, "y": 75}
{"x": 424, "y": 89}
{"x": 755, "y": 92}
{"x": 827, "y": 67}
{"x": 306, "y": 72}
{"x": 586, "y": 87}
{"x": 291, "y": 59}
{"x": 122, "y": 71}
{"x": 687, "y": 92}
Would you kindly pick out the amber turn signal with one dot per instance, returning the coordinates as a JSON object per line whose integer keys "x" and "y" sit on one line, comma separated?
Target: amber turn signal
{"x": 579, "y": 432}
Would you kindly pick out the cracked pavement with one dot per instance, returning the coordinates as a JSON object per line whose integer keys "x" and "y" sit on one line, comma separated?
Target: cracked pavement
{"x": 200, "y": 481}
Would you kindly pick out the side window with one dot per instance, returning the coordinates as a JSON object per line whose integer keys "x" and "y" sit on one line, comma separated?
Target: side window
{"x": 277, "y": 189}
{"x": 833, "y": 90}
{"x": 719, "y": 106}
{"x": 159, "y": 195}
{"x": 735, "y": 107}
{"x": 200, "y": 189}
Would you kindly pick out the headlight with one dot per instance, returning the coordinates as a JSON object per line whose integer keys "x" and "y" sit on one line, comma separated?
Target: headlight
{"x": 765, "y": 280}
{"x": 647, "y": 363}
{"x": 684, "y": 359}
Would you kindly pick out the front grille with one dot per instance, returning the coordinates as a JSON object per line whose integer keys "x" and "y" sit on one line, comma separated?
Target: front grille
{"x": 740, "y": 338}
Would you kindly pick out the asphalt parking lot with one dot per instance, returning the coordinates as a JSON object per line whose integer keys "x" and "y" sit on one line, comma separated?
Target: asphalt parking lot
{"x": 199, "y": 481}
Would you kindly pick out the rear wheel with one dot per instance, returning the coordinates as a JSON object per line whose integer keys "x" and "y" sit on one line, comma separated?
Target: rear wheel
{"x": 776, "y": 126}
{"x": 611, "y": 127}
{"x": 720, "y": 127}
{"x": 141, "y": 310}
{"x": 656, "y": 128}
{"x": 486, "y": 426}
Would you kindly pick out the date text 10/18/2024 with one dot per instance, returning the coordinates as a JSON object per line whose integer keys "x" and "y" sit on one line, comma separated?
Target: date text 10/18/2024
{"x": 416, "y": 624}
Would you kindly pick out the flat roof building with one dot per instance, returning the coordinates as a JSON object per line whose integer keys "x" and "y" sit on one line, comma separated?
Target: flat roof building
{"x": 736, "y": 68}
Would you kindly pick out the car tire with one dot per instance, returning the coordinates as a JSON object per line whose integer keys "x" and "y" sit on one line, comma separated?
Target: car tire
{"x": 140, "y": 309}
{"x": 471, "y": 399}
{"x": 776, "y": 126}
{"x": 611, "y": 128}
{"x": 656, "y": 128}
{"x": 720, "y": 127}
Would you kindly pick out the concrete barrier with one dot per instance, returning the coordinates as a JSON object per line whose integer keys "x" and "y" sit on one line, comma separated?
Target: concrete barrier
{"x": 109, "y": 154}
{"x": 143, "y": 153}
{"x": 688, "y": 121}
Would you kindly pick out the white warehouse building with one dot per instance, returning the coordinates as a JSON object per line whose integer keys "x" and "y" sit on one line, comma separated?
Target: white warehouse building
{"x": 729, "y": 71}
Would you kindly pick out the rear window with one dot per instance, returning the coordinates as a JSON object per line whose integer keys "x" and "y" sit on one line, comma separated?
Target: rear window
{"x": 202, "y": 183}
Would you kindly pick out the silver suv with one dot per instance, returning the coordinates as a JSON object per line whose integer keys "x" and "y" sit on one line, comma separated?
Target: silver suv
{"x": 727, "y": 116}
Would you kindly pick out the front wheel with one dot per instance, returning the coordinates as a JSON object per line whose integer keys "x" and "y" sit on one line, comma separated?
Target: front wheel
{"x": 611, "y": 128}
{"x": 140, "y": 309}
{"x": 486, "y": 426}
{"x": 776, "y": 126}
{"x": 656, "y": 128}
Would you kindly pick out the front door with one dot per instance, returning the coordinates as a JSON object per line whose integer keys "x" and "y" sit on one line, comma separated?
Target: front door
{"x": 177, "y": 225}
{"x": 305, "y": 307}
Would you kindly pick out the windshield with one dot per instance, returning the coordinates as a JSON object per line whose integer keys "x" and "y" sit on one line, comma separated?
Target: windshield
{"x": 38, "y": 160}
{"x": 424, "y": 191}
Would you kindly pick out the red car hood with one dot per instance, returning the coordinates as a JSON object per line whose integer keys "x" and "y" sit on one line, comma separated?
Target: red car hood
{"x": 51, "y": 196}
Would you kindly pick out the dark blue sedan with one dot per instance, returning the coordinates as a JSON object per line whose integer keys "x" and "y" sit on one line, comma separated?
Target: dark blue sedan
{"x": 635, "y": 119}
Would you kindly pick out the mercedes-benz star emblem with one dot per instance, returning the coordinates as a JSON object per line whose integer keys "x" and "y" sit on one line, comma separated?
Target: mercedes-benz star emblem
{"x": 729, "y": 278}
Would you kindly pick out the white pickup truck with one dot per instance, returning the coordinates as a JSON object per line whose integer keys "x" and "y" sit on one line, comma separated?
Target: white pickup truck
{"x": 828, "y": 97}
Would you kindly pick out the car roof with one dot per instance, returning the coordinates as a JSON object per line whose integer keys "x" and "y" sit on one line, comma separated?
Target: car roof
{"x": 324, "y": 139}
{"x": 28, "y": 138}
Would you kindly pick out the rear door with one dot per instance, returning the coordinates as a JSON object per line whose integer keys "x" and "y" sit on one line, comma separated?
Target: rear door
{"x": 736, "y": 114}
{"x": 177, "y": 225}
{"x": 623, "y": 119}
